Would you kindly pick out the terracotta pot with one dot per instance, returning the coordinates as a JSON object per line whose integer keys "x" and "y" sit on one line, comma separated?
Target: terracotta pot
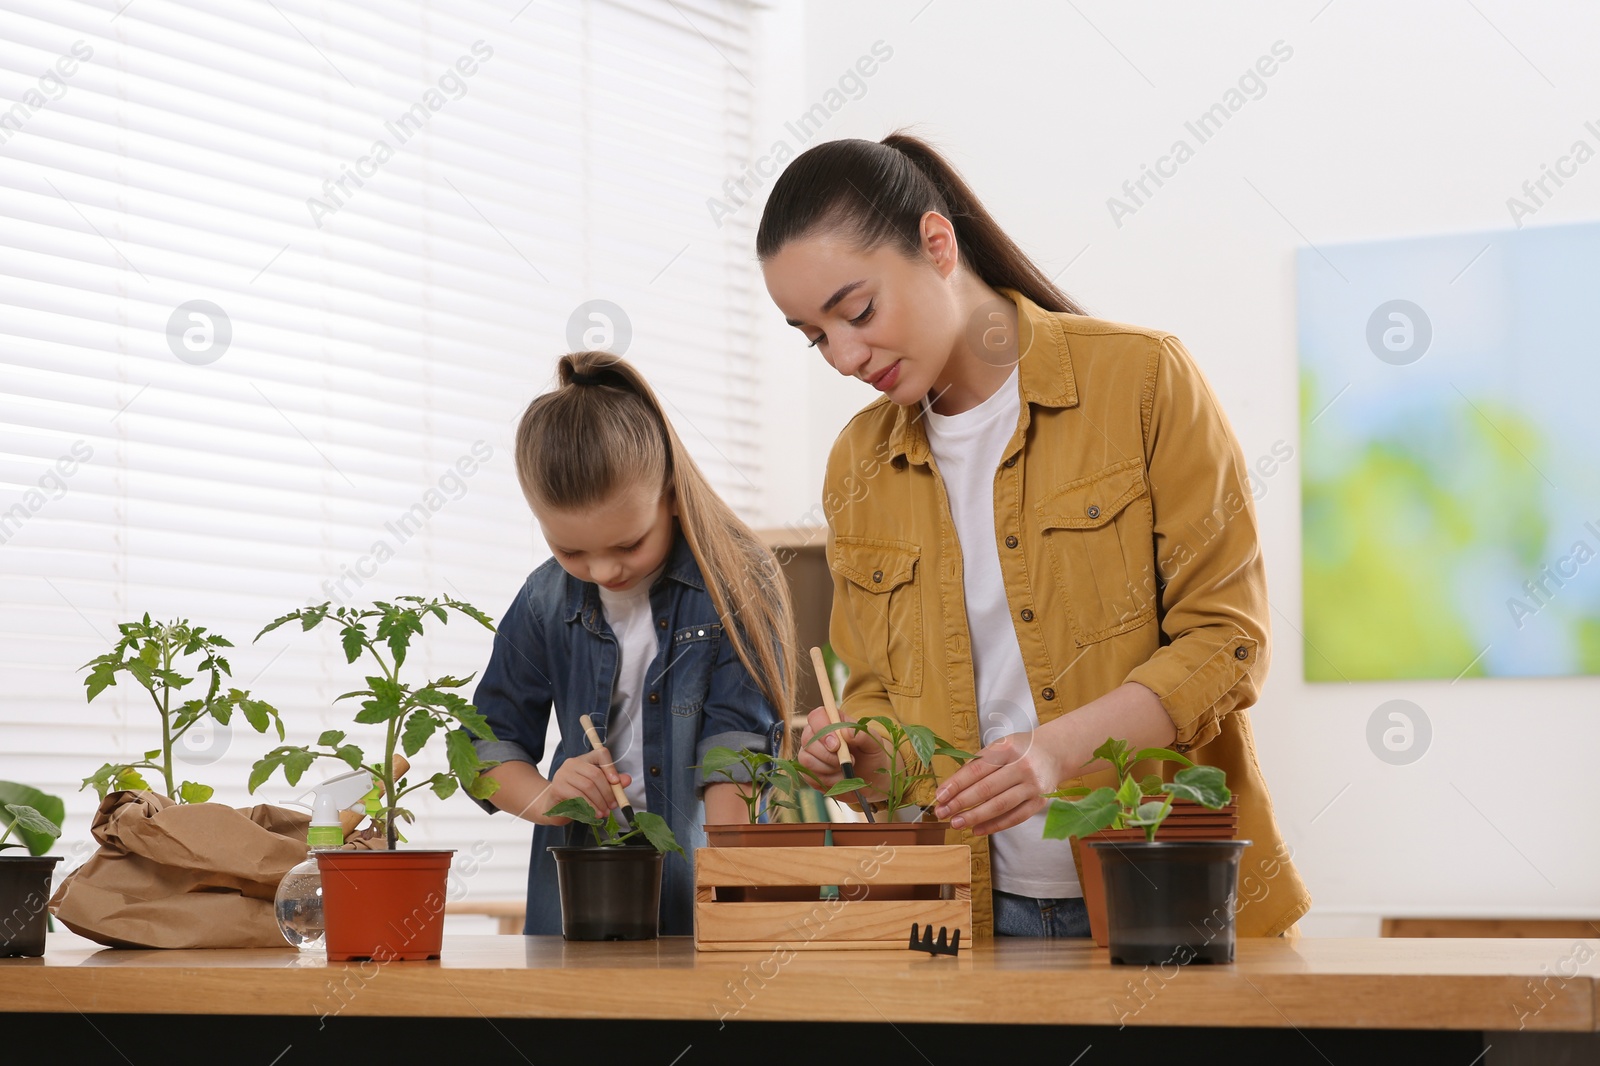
{"x": 383, "y": 905}
{"x": 24, "y": 891}
{"x": 1093, "y": 883}
{"x": 767, "y": 835}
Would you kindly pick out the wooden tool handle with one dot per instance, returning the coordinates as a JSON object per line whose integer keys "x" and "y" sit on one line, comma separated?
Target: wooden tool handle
{"x": 825, "y": 684}
{"x": 594, "y": 742}
{"x": 845, "y": 762}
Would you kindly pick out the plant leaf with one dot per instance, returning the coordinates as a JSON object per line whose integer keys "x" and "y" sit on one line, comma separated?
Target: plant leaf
{"x": 26, "y": 819}
{"x": 1203, "y": 784}
{"x": 1164, "y": 754}
{"x": 1081, "y": 817}
{"x": 354, "y": 639}
{"x": 577, "y": 808}
{"x": 848, "y": 785}
{"x": 923, "y": 742}
{"x": 419, "y": 727}
{"x": 1129, "y": 793}
{"x": 331, "y": 738}
{"x": 717, "y": 761}
{"x": 191, "y": 792}
{"x": 51, "y": 808}
{"x": 657, "y": 831}
{"x": 444, "y": 786}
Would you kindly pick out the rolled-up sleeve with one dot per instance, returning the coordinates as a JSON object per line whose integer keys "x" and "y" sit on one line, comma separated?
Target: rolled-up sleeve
{"x": 1213, "y": 599}
{"x": 514, "y": 694}
{"x": 736, "y": 715}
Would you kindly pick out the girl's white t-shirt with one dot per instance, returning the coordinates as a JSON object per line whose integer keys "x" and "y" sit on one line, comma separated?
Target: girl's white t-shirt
{"x": 967, "y": 449}
{"x": 628, "y": 614}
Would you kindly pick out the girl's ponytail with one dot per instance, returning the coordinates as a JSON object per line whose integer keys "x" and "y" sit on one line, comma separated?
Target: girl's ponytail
{"x": 604, "y": 430}
{"x": 879, "y": 191}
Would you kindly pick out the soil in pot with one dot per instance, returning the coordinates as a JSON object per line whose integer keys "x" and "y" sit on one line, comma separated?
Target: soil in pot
{"x": 1170, "y": 901}
{"x": 383, "y": 905}
{"x": 608, "y": 893}
{"x": 24, "y": 892}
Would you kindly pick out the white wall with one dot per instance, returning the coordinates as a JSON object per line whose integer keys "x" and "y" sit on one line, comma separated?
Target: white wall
{"x": 1387, "y": 120}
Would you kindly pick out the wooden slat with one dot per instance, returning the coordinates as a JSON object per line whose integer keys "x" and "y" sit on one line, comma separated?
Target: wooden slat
{"x": 826, "y": 921}
{"x": 939, "y": 864}
{"x": 1579, "y": 928}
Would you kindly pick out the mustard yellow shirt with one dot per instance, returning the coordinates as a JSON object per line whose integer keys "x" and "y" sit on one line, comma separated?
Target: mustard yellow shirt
{"x": 1128, "y": 545}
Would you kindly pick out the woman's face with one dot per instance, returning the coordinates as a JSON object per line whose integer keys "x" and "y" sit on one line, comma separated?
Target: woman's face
{"x": 877, "y": 315}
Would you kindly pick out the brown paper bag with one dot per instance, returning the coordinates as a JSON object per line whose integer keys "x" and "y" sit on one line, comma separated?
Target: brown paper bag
{"x": 171, "y": 875}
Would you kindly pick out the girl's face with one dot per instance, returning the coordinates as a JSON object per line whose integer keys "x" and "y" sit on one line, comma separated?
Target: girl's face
{"x": 876, "y": 315}
{"x": 615, "y": 543}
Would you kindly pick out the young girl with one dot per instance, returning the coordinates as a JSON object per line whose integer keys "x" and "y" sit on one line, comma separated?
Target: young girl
{"x": 660, "y": 615}
{"x": 1041, "y": 536}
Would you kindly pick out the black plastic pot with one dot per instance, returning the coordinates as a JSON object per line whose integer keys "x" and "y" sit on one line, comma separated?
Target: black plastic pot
{"x": 1170, "y": 902}
{"x": 24, "y": 892}
{"x": 609, "y": 893}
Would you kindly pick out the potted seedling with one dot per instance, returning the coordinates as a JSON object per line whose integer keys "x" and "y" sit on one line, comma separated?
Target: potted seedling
{"x": 389, "y": 904}
{"x": 610, "y": 891}
{"x": 25, "y": 877}
{"x": 153, "y": 655}
{"x": 908, "y": 751}
{"x": 1166, "y": 901}
{"x": 768, "y": 784}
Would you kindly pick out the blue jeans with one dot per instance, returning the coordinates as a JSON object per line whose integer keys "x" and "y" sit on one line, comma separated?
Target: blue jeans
{"x": 1026, "y": 916}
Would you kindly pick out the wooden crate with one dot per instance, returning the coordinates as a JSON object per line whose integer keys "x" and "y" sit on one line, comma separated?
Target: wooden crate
{"x": 721, "y": 925}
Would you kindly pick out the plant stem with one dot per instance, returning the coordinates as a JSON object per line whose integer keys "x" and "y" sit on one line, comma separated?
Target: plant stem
{"x": 166, "y": 716}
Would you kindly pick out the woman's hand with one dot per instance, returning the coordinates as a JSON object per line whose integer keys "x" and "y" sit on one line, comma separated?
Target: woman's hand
{"x": 1003, "y": 785}
{"x": 581, "y": 775}
{"x": 821, "y": 757}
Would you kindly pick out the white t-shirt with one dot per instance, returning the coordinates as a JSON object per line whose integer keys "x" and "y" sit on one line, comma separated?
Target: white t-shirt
{"x": 628, "y": 614}
{"x": 967, "y": 448}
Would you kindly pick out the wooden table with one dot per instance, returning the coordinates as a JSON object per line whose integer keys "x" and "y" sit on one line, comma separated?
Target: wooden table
{"x": 1309, "y": 995}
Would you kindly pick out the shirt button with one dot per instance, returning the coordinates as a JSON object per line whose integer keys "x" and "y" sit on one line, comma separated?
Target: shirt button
{"x": 1010, "y": 462}
{"x": 1011, "y": 542}
{"x": 655, "y": 771}
{"x": 877, "y": 575}
{"x": 1049, "y": 693}
{"x": 655, "y": 697}
{"x": 1241, "y": 653}
{"x": 1094, "y": 512}
{"x": 1027, "y": 614}
{"x": 661, "y": 622}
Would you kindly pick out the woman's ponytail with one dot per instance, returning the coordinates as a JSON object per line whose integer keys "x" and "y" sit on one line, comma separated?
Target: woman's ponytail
{"x": 879, "y": 191}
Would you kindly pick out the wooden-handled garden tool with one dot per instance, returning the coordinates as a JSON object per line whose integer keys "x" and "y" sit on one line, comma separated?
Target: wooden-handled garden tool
{"x": 616, "y": 789}
{"x": 845, "y": 763}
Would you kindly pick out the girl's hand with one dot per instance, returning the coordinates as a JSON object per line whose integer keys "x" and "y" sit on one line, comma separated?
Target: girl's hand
{"x": 821, "y": 757}
{"x": 582, "y": 775}
{"x": 1002, "y": 786}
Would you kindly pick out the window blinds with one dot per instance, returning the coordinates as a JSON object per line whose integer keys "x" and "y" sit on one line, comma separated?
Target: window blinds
{"x": 276, "y": 281}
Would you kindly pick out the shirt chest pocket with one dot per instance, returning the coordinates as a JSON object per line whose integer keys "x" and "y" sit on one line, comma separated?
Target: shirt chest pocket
{"x": 1098, "y": 533}
{"x": 691, "y": 660}
{"x": 884, "y": 598}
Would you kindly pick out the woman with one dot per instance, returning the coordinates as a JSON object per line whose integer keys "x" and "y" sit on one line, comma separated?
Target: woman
{"x": 1041, "y": 536}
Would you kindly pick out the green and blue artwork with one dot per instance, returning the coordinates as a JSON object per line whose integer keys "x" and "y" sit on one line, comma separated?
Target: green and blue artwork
{"x": 1450, "y": 487}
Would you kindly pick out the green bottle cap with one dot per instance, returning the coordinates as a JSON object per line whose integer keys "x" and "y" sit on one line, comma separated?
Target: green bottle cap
{"x": 325, "y": 836}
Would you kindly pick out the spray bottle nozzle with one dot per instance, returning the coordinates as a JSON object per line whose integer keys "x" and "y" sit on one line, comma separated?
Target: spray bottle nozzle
{"x": 346, "y": 792}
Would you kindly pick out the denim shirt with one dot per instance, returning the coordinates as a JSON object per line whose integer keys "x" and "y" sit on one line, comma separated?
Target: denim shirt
{"x": 554, "y": 648}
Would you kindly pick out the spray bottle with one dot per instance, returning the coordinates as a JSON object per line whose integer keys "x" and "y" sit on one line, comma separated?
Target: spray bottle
{"x": 299, "y": 900}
